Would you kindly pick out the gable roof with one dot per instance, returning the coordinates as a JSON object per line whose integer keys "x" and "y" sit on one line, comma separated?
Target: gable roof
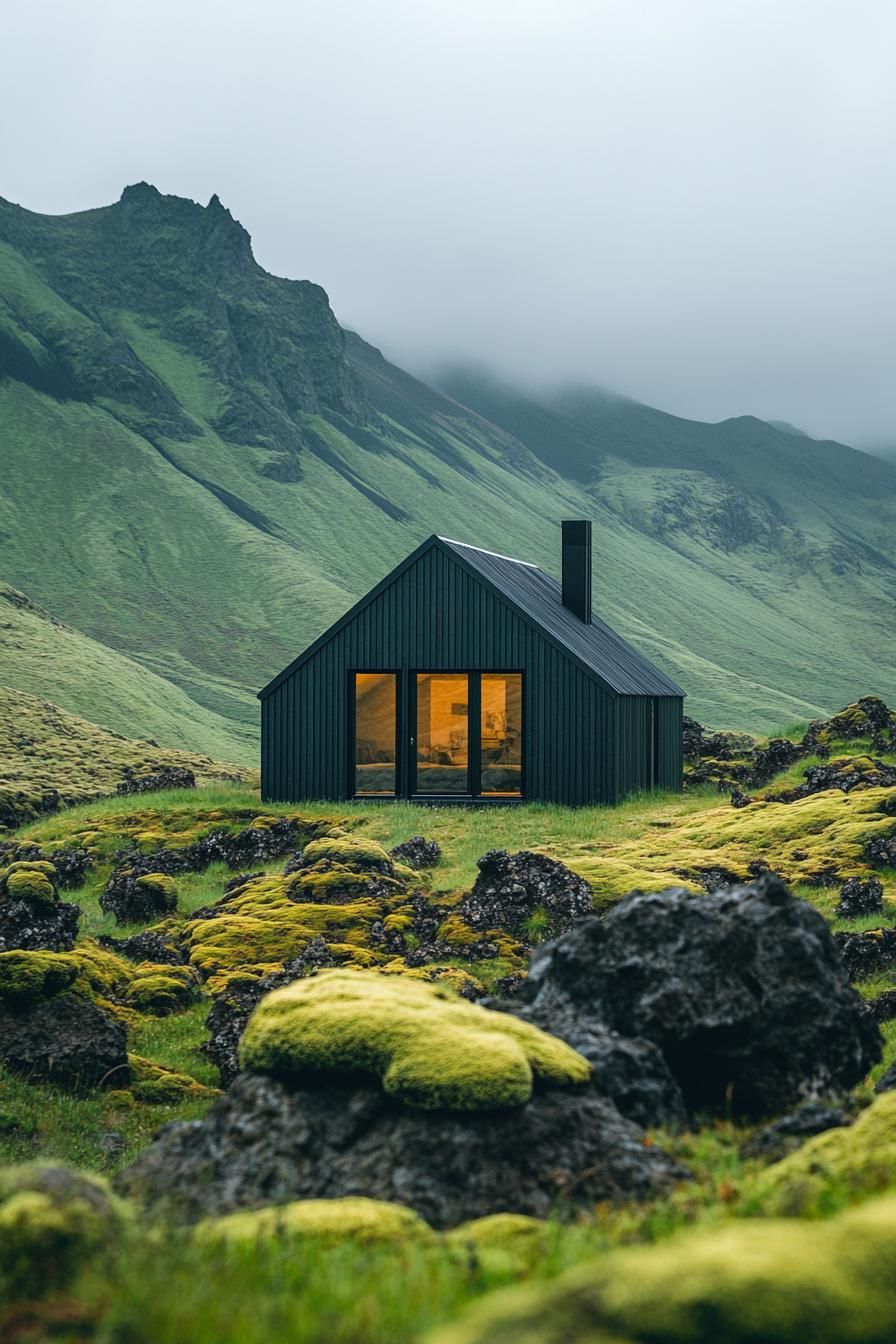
{"x": 595, "y": 647}
{"x": 537, "y": 599}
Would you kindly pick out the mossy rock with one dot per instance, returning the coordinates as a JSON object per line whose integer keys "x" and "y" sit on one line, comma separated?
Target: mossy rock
{"x": 349, "y": 852}
{"x": 26, "y": 977}
{"x": 837, "y": 1167}
{"x": 157, "y": 1085}
{"x": 769, "y": 1282}
{"x": 426, "y": 1047}
{"x": 327, "y": 1222}
{"x": 161, "y": 891}
{"x": 31, "y": 882}
{"x": 162, "y": 990}
{"x": 52, "y": 1220}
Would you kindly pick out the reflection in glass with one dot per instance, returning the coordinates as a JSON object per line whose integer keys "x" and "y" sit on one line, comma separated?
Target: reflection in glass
{"x": 375, "y": 732}
{"x": 502, "y": 733}
{"x": 442, "y": 732}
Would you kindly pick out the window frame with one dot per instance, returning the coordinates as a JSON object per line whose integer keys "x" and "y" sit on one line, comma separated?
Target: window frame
{"x": 352, "y": 697}
{"x": 406, "y": 735}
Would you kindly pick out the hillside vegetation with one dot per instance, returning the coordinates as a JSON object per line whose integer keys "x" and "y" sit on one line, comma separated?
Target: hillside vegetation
{"x": 202, "y": 470}
{"x": 42, "y": 657}
{"x": 50, "y": 758}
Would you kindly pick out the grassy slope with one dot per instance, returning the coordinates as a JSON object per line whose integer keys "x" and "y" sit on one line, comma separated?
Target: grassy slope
{"x": 45, "y": 747}
{"x": 42, "y": 657}
{"x": 219, "y": 475}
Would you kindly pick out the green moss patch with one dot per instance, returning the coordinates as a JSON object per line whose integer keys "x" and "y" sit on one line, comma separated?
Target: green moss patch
{"x": 834, "y": 1168}
{"x": 327, "y": 1222}
{"x": 425, "y": 1047}
{"x": 816, "y": 841}
{"x": 778, "y": 1282}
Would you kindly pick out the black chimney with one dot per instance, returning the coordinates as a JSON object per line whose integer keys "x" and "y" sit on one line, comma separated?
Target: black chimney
{"x": 577, "y": 568}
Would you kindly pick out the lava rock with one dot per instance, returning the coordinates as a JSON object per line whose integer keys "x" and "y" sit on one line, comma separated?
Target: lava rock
{"x": 72, "y": 865}
{"x": 512, "y": 888}
{"x": 743, "y": 991}
{"x": 66, "y": 1039}
{"x": 779, "y": 754}
{"x": 162, "y": 947}
{"x": 789, "y": 1133}
{"x": 881, "y": 849}
{"x": 417, "y": 852}
{"x": 264, "y": 1143}
{"x": 51, "y": 929}
{"x": 883, "y": 1007}
{"x": 868, "y": 952}
{"x": 739, "y": 799}
{"x": 150, "y": 781}
{"x": 632, "y": 1073}
{"x": 233, "y": 1007}
{"x": 859, "y": 898}
{"x": 135, "y": 897}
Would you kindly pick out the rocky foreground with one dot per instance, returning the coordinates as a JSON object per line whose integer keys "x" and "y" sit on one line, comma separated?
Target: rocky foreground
{"x": 472, "y": 1076}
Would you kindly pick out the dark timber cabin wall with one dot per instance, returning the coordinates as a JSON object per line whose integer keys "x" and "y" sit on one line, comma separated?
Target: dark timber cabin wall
{"x": 437, "y": 616}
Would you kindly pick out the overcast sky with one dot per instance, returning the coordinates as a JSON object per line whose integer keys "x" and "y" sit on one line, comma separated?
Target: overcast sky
{"x": 689, "y": 201}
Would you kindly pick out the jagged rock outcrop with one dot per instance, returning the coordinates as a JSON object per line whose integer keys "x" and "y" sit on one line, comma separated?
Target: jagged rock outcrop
{"x": 860, "y": 897}
{"x": 527, "y": 894}
{"x": 868, "y": 952}
{"x": 742, "y": 990}
{"x": 264, "y": 1142}
{"x": 65, "y": 1039}
{"x": 417, "y": 852}
{"x": 32, "y": 917}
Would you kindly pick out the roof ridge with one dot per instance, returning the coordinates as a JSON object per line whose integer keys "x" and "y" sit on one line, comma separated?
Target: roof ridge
{"x": 512, "y": 559}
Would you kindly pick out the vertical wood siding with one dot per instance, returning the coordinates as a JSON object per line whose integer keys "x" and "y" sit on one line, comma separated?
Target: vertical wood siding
{"x": 582, "y": 743}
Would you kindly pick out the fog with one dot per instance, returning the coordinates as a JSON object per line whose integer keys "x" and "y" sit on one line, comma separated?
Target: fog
{"x": 690, "y": 203}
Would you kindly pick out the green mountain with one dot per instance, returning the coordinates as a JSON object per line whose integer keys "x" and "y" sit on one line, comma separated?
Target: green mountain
{"x": 201, "y": 469}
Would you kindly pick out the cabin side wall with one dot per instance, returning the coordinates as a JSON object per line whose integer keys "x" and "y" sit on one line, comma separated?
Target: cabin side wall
{"x": 648, "y": 743}
{"x": 436, "y": 616}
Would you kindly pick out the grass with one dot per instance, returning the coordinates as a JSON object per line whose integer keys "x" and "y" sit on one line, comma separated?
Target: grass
{"x": 43, "y": 747}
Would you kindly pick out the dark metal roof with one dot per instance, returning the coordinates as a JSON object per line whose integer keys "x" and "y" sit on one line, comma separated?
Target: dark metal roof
{"x": 595, "y": 646}
{"x": 537, "y": 598}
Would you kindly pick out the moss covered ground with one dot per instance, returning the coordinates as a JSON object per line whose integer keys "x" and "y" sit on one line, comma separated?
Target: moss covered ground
{"x": 382, "y": 1285}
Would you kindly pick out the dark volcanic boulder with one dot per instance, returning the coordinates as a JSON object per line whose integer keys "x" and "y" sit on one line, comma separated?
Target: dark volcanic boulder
{"x": 743, "y": 991}
{"x": 32, "y": 917}
{"x": 860, "y": 897}
{"x": 417, "y": 852}
{"x": 65, "y": 1039}
{"x": 525, "y": 893}
{"x": 631, "y": 1072}
{"x": 265, "y": 1143}
{"x": 883, "y": 1007}
{"x": 162, "y": 946}
{"x": 136, "y": 897}
{"x": 868, "y": 952}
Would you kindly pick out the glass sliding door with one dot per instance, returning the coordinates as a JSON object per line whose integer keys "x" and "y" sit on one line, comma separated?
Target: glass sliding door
{"x": 376, "y": 734}
{"x": 501, "y": 734}
{"x": 442, "y": 741}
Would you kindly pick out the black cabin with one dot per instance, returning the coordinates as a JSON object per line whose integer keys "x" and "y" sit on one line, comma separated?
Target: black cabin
{"x": 468, "y": 676}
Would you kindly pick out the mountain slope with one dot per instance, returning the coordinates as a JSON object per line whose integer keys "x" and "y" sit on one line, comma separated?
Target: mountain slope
{"x": 45, "y": 658}
{"x": 201, "y": 470}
